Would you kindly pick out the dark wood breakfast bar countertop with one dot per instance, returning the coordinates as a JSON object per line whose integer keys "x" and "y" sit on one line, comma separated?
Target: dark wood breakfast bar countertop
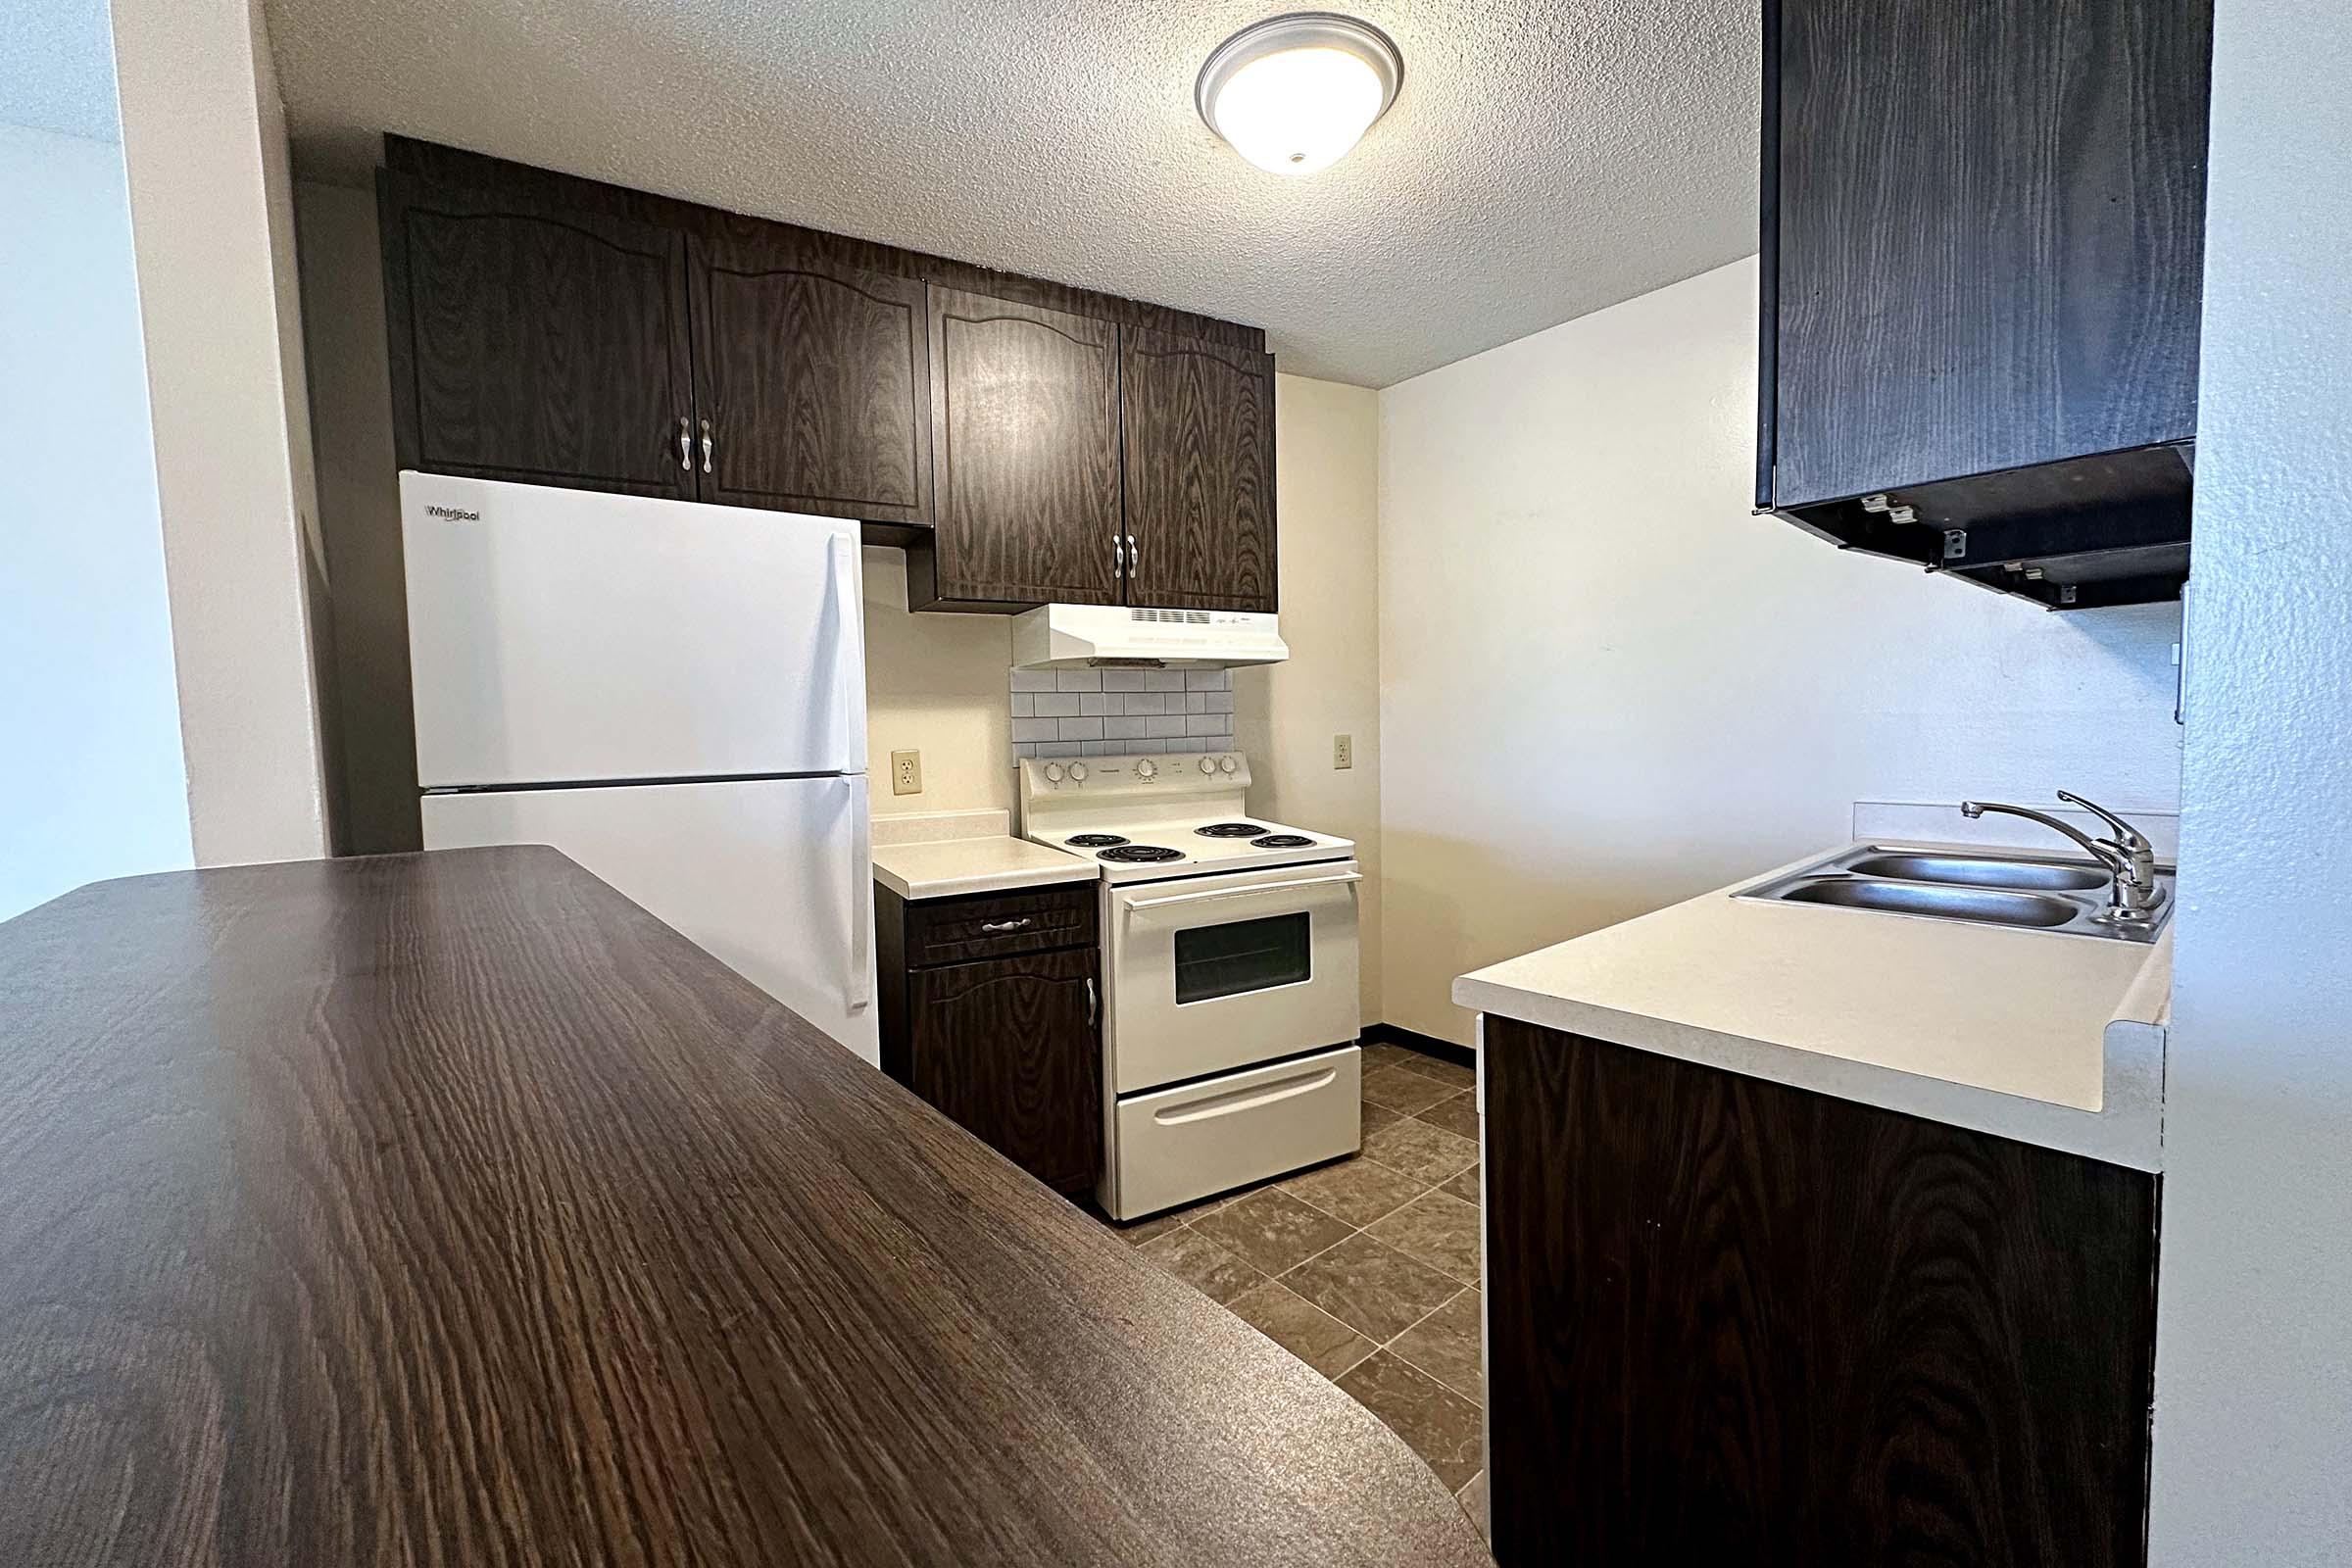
{"x": 449, "y": 1209}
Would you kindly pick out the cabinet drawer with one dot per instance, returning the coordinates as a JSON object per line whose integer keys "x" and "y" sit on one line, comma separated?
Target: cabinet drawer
{"x": 995, "y": 924}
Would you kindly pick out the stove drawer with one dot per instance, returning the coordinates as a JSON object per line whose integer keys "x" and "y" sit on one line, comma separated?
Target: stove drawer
{"x": 995, "y": 925}
{"x": 1172, "y": 1146}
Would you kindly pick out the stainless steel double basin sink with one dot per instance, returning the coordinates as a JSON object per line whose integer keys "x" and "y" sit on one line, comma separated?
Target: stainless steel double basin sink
{"x": 1989, "y": 887}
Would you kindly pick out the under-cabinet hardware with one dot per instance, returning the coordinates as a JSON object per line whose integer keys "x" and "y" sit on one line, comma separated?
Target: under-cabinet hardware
{"x": 1955, "y": 544}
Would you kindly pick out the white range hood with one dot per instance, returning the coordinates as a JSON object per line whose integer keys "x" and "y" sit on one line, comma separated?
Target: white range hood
{"x": 1082, "y": 636}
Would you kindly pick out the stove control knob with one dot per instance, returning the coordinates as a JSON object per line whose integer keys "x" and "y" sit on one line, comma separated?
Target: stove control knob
{"x": 1052, "y": 772}
{"x": 1209, "y": 764}
{"x": 1146, "y": 770}
{"x": 1225, "y": 764}
{"x": 1077, "y": 772}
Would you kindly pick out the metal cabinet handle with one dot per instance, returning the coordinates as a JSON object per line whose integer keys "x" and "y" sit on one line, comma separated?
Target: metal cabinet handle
{"x": 706, "y": 446}
{"x": 685, "y": 445}
{"x": 1134, "y": 555}
{"x": 1118, "y": 554}
{"x": 1093, "y": 1010}
{"x": 1022, "y": 924}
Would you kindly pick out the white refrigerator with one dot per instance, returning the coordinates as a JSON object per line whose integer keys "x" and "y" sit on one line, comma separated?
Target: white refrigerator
{"x": 671, "y": 694}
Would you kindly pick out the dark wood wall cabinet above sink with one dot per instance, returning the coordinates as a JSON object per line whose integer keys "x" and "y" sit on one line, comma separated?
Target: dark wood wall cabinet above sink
{"x": 1983, "y": 240}
{"x": 1024, "y": 441}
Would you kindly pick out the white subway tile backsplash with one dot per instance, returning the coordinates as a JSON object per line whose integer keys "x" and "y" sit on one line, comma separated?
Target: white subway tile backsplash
{"x": 1119, "y": 712}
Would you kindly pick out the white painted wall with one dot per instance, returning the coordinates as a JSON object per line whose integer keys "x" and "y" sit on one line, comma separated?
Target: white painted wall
{"x": 2254, "y": 1306}
{"x": 93, "y": 785}
{"x": 1326, "y": 492}
{"x": 204, "y": 142}
{"x": 1607, "y": 687}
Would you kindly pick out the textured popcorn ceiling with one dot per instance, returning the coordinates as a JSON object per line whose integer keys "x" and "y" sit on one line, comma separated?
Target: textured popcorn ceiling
{"x": 1543, "y": 161}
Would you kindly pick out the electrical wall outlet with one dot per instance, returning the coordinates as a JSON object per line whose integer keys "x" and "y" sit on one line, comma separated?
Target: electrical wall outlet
{"x": 906, "y": 772}
{"x": 1343, "y": 750}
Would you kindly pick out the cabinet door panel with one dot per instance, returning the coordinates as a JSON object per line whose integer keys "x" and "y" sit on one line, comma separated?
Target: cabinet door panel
{"x": 533, "y": 344}
{"x": 1025, "y": 418}
{"x": 814, "y": 379}
{"x": 1007, "y": 1048}
{"x": 1732, "y": 1321}
{"x": 1199, "y": 422}
{"x": 1990, "y": 226}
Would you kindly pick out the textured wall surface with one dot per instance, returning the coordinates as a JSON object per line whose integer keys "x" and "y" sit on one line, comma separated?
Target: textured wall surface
{"x": 2254, "y": 1306}
{"x": 1542, "y": 159}
{"x": 195, "y": 134}
{"x": 1605, "y": 687}
{"x": 93, "y": 784}
{"x": 1326, "y": 490}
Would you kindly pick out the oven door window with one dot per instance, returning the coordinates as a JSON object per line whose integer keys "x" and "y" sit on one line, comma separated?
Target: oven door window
{"x": 1243, "y": 955}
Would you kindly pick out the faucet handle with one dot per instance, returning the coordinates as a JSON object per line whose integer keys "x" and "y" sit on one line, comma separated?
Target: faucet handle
{"x": 2128, "y": 839}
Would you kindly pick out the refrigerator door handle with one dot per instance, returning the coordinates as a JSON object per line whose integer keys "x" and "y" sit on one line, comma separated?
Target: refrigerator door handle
{"x": 849, "y": 679}
{"x": 859, "y": 991}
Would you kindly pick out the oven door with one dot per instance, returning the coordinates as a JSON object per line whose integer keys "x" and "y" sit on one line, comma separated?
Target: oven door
{"x": 1212, "y": 972}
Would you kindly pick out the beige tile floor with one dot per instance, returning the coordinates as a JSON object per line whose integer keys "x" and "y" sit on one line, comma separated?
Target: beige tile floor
{"x": 1366, "y": 1269}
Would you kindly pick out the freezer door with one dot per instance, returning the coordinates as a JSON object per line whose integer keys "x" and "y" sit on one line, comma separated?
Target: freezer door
{"x": 558, "y": 636}
{"x": 773, "y": 877}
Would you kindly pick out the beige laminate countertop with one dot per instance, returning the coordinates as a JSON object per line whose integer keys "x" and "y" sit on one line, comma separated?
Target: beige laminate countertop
{"x": 941, "y": 854}
{"x": 2055, "y": 1039}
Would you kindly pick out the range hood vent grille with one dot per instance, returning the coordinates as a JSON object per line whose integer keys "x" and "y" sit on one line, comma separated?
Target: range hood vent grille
{"x": 1089, "y": 636}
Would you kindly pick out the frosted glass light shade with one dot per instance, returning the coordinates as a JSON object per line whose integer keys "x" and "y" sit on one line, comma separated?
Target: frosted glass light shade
{"x": 1292, "y": 94}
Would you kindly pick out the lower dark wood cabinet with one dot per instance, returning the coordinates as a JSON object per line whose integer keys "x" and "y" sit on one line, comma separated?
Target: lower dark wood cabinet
{"x": 1006, "y": 1045}
{"x": 1731, "y": 1321}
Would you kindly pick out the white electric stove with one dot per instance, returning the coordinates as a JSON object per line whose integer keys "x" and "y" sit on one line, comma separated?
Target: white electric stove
{"x": 1229, "y": 971}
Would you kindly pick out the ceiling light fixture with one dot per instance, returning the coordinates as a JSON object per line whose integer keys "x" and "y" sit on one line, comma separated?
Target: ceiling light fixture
{"x": 1293, "y": 93}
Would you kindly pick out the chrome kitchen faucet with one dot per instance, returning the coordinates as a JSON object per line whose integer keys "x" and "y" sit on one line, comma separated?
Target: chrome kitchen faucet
{"x": 2132, "y": 894}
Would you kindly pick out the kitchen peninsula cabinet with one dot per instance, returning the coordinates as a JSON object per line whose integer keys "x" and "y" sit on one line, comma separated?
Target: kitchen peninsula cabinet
{"x": 1732, "y": 1320}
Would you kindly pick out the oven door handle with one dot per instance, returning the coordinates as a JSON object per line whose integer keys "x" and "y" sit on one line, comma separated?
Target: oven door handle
{"x": 1244, "y": 893}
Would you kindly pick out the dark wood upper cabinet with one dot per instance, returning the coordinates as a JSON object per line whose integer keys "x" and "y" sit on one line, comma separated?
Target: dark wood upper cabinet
{"x": 1197, "y": 434}
{"x": 1025, "y": 433}
{"x": 534, "y": 344}
{"x": 1983, "y": 244}
{"x": 556, "y": 330}
{"x": 813, "y": 382}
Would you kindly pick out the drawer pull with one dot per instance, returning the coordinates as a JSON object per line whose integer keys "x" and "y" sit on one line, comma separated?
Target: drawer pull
{"x": 993, "y": 927}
